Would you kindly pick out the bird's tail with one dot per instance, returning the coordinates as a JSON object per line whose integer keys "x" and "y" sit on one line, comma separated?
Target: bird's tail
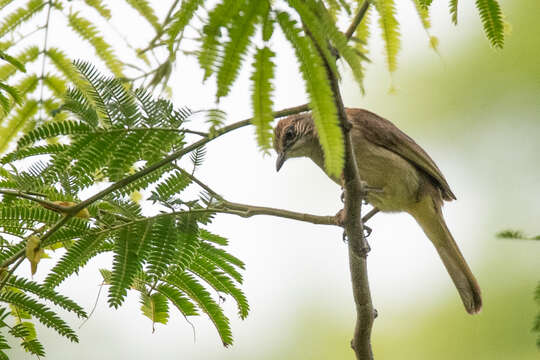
{"x": 430, "y": 218}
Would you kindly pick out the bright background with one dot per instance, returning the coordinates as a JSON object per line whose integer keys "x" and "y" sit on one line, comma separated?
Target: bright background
{"x": 474, "y": 109}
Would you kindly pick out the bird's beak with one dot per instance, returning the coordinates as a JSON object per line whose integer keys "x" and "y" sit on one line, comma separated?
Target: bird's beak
{"x": 280, "y": 160}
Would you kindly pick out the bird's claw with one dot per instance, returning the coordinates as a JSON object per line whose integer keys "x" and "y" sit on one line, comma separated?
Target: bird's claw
{"x": 367, "y": 231}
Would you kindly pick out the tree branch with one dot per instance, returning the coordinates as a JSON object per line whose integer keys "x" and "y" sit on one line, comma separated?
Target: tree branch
{"x": 71, "y": 211}
{"x": 354, "y": 227}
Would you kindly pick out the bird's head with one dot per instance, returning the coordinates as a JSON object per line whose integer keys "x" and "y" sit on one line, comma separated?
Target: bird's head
{"x": 293, "y": 137}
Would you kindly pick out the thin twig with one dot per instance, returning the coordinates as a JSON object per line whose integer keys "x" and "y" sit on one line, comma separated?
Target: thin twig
{"x": 357, "y": 19}
{"x": 45, "y": 203}
{"x": 10, "y": 272}
{"x": 71, "y": 211}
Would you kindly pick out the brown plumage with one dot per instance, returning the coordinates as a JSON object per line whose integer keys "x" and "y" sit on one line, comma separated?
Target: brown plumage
{"x": 410, "y": 180}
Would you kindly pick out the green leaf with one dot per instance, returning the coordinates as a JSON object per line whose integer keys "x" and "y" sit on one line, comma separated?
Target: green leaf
{"x": 56, "y": 84}
{"x": 178, "y": 299}
{"x": 25, "y": 57}
{"x": 145, "y": 10}
{"x": 76, "y": 257}
{"x": 188, "y": 284}
{"x": 171, "y": 186}
{"x": 219, "y": 17}
{"x": 46, "y": 293}
{"x": 13, "y": 92}
{"x": 100, "y": 7}
{"x": 515, "y": 234}
{"x": 340, "y": 41}
{"x": 63, "y": 64}
{"x": 163, "y": 246}
{"x": 13, "y": 61}
{"x": 492, "y": 21}
{"x": 131, "y": 247}
{"x": 362, "y": 34}
{"x": 33, "y": 347}
{"x": 454, "y": 11}
{"x": 19, "y": 16}
{"x": 321, "y": 97}
{"x": 220, "y": 282}
{"x": 53, "y": 129}
{"x": 45, "y": 315}
{"x": 390, "y": 30}
{"x": 240, "y": 33}
{"x": 261, "y": 98}
{"x": 182, "y": 18}
{"x": 216, "y": 239}
{"x": 155, "y": 307}
{"x": 86, "y": 30}
{"x": 16, "y": 122}
{"x": 425, "y": 3}
{"x": 215, "y": 256}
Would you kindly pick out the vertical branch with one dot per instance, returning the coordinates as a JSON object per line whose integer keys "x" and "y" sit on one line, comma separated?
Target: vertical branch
{"x": 354, "y": 227}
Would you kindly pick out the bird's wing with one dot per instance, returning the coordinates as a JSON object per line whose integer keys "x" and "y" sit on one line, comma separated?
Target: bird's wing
{"x": 383, "y": 133}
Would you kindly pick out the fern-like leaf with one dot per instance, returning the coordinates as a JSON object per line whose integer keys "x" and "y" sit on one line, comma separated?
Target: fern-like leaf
{"x": 425, "y": 3}
{"x": 188, "y": 241}
{"x": 220, "y": 282}
{"x": 162, "y": 246}
{"x": 454, "y": 11}
{"x": 219, "y": 17}
{"x": 86, "y": 30}
{"x": 130, "y": 251}
{"x": 188, "y": 284}
{"x": 47, "y": 293}
{"x": 25, "y": 57}
{"x": 171, "y": 186}
{"x": 60, "y": 60}
{"x": 240, "y": 34}
{"x": 197, "y": 157}
{"x": 75, "y": 258}
{"x": 20, "y": 15}
{"x": 182, "y": 18}
{"x": 340, "y": 41}
{"x": 45, "y": 315}
{"x": 145, "y": 10}
{"x": 16, "y": 122}
{"x": 492, "y": 21}
{"x": 261, "y": 98}
{"x": 100, "y": 7}
{"x": 178, "y": 299}
{"x": 215, "y": 256}
{"x": 423, "y": 14}
{"x": 53, "y": 129}
{"x": 155, "y": 307}
{"x": 321, "y": 98}
{"x": 34, "y": 347}
{"x": 55, "y": 84}
{"x": 390, "y": 31}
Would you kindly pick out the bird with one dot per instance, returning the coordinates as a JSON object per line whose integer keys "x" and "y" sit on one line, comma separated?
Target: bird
{"x": 408, "y": 179}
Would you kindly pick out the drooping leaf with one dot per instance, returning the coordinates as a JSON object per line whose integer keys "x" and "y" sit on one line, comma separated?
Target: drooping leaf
{"x": 86, "y": 30}
{"x": 321, "y": 98}
{"x": 261, "y": 98}
{"x": 390, "y": 31}
{"x": 454, "y": 11}
{"x": 492, "y": 21}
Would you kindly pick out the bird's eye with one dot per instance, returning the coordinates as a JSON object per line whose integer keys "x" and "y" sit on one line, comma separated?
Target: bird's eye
{"x": 290, "y": 134}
